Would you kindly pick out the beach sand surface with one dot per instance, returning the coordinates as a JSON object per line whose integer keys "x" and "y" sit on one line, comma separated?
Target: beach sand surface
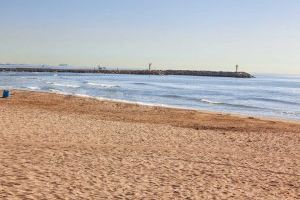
{"x": 64, "y": 147}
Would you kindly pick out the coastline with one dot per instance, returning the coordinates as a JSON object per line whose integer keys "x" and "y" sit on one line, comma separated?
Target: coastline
{"x": 85, "y": 148}
{"x": 245, "y": 116}
{"x": 232, "y": 97}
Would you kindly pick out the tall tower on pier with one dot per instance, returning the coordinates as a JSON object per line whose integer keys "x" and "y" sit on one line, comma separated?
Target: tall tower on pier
{"x": 236, "y": 68}
{"x": 150, "y": 64}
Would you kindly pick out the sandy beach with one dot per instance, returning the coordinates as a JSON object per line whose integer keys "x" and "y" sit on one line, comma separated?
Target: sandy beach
{"x": 64, "y": 147}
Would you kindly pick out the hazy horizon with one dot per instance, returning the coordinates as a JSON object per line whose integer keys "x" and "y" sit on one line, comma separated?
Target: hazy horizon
{"x": 262, "y": 36}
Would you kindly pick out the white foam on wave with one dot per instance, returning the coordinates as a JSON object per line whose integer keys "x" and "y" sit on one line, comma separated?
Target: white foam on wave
{"x": 210, "y": 102}
{"x": 65, "y": 85}
{"x": 129, "y": 102}
{"x": 102, "y": 85}
{"x": 33, "y": 88}
{"x": 58, "y": 92}
{"x": 29, "y": 78}
{"x": 83, "y": 95}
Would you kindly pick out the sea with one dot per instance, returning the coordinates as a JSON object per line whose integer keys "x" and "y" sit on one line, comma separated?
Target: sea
{"x": 266, "y": 95}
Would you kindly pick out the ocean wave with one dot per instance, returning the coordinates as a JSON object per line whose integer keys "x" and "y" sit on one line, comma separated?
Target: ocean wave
{"x": 135, "y": 102}
{"x": 29, "y": 78}
{"x": 232, "y": 104}
{"x": 83, "y": 95}
{"x": 65, "y": 85}
{"x": 210, "y": 102}
{"x": 53, "y": 90}
{"x": 102, "y": 85}
{"x": 160, "y": 85}
{"x": 194, "y": 99}
{"x": 276, "y": 101}
{"x": 58, "y": 92}
{"x": 138, "y": 83}
{"x": 173, "y": 96}
{"x": 6, "y": 87}
{"x": 33, "y": 88}
{"x": 291, "y": 113}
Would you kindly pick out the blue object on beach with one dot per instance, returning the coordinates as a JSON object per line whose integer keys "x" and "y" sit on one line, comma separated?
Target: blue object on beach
{"x": 5, "y": 94}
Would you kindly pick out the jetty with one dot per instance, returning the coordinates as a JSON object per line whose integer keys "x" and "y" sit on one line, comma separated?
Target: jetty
{"x": 235, "y": 74}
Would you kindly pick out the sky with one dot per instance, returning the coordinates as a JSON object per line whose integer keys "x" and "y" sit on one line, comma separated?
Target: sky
{"x": 261, "y": 36}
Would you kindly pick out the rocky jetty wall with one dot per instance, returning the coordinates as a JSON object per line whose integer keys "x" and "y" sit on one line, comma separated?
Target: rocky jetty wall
{"x": 138, "y": 72}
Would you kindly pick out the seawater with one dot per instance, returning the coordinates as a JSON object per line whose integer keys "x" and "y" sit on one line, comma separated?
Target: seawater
{"x": 276, "y": 96}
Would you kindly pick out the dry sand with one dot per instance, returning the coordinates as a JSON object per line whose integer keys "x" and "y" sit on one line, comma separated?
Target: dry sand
{"x": 63, "y": 147}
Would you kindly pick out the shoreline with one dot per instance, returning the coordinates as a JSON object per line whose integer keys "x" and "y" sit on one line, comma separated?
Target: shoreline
{"x": 128, "y": 107}
{"x": 245, "y": 116}
{"x": 83, "y": 148}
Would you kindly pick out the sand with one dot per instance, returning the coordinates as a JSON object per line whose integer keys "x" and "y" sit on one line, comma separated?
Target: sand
{"x": 64, "y": 147}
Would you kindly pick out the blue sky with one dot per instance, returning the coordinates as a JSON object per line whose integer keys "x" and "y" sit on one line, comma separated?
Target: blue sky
{"x": 259, "y": 35}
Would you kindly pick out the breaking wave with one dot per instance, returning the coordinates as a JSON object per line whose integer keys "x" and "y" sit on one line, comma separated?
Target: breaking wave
{"x": 65, "y": 85}
{"x": 102, "y": 85}
{"x": 277, "y": 101}
{"x": 33, "y": 88}
{"x": 210, "y": 102}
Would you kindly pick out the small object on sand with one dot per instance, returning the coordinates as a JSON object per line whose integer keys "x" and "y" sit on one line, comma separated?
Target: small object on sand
{"x": 5, "y": 94}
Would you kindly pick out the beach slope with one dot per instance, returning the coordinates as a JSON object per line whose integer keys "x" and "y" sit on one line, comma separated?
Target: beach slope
{"x": 64, "y": 147}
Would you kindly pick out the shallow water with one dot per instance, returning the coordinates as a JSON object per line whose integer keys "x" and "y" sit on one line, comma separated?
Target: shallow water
{"x": 266, "y": 95}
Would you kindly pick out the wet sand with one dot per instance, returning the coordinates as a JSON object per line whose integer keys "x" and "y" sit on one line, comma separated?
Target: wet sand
{"x": 64, "y": 147}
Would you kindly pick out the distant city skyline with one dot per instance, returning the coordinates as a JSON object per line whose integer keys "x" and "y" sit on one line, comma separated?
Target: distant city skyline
{"x": 261, "y": 36}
